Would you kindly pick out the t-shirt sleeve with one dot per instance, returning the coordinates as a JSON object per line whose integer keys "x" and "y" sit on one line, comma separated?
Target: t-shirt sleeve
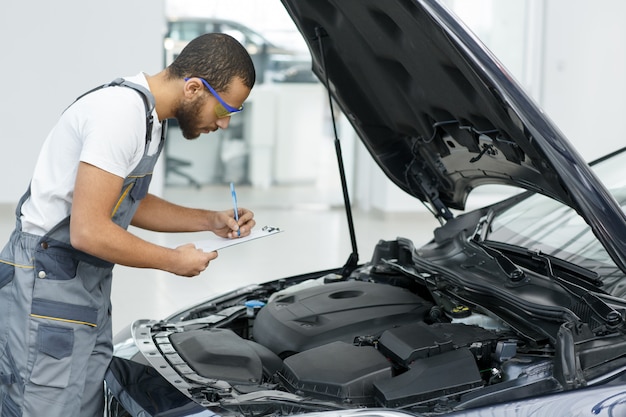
{"x": 113, "y": 124}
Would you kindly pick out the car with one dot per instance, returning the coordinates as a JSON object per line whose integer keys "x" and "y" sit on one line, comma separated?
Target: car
{"x": 279, "y": 64}
{"x": 512, "y": 309}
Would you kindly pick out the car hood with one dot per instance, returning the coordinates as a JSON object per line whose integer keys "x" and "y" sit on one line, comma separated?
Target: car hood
{"x": 439, "y": 114}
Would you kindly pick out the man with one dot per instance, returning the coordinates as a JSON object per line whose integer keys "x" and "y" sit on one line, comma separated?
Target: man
{"x": 90, "y": 182}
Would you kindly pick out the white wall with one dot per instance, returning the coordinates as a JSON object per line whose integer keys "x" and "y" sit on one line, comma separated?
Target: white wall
{"x": 53, "y": 51}
{"x": 584, "y": 72}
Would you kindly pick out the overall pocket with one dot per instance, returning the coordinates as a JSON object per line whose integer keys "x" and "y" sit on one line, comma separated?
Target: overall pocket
{"x": 52, "y": 367}
{"x": 54, "y": 262}
{"x": 140, "y": 189}
{"x": 64, "y": 312}
{"x": 63, "y": 336}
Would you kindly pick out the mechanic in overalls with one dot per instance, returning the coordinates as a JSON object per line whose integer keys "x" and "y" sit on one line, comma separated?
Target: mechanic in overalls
{"x": 90, "y": 182}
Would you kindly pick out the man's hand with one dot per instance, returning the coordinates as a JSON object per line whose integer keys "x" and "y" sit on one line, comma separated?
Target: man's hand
{"x": 192, "y": 261}
{"x": 224, "y": 224}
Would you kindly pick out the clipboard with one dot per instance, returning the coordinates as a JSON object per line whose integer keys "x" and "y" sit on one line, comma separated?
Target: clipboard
{"x": 216, "y": 243}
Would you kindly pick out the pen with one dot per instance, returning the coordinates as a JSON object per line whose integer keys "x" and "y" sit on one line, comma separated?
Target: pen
{"x": 232, "y": 192}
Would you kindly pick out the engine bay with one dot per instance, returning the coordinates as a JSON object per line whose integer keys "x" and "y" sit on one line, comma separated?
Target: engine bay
{"x": 347, "y": 344}
{"x": 324, "y": 342}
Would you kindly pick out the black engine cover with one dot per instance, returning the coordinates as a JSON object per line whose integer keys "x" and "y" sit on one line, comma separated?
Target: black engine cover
{"x": 334, "y": 312}
{"x": 222, "y": 354}
{"x": 337, "y": 371}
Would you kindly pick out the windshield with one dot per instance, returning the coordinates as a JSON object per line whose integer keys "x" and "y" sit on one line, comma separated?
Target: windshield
{"x": 543, "y": 224}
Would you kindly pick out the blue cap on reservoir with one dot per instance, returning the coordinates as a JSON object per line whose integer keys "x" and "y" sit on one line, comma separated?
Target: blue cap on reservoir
{"x": 253, "y": 307}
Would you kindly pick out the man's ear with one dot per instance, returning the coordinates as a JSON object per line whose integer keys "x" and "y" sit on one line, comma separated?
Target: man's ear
{"x": 192, "y": 87}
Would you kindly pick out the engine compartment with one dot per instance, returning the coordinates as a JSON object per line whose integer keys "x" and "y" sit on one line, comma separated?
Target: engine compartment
{"x": 399, "y": 334}
{"x": 430, "y": 332}
{"x": 354, "y": 344}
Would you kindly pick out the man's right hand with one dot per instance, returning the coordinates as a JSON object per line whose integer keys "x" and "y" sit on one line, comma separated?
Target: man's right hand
{"x": 192, "y": 260}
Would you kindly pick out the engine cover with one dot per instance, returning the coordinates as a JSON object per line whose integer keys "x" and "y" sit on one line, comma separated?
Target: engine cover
{"x": 337, "y": 371}
{"x": 222, "y": 354}
{"x": 334, "y": 312}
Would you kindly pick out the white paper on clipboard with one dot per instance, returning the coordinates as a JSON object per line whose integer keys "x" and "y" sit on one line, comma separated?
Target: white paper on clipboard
{"x": 217, "y": 243}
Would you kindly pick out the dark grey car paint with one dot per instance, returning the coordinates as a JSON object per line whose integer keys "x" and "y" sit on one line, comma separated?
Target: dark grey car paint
{"x": 438, "y": 112}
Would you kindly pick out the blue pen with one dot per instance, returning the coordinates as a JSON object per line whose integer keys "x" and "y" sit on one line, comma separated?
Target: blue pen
{"x": 232, "y": 192}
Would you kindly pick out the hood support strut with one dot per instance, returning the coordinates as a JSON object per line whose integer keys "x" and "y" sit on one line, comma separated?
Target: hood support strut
{"x": 428, "y": 188}
{"x": 353, "y": 259}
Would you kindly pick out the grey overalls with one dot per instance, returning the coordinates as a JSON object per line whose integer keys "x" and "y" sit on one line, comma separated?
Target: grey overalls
{"x": 55, "y": 309}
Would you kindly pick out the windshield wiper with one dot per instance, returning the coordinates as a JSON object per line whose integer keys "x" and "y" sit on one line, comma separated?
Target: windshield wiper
{"x": 577, "y": 272}
{"x": 586, "y": 296}
{"x": 601, "y": 309}
{"x": 512, "y": 271}
{"x": 506, "y": 265}
{"x": 586, "y": 277}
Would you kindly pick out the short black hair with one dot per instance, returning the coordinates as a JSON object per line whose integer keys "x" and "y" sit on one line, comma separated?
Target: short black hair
{"x": 217, "y": 58}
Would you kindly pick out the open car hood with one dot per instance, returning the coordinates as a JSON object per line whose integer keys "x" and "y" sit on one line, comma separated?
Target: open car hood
{"x": 439, "y": 114}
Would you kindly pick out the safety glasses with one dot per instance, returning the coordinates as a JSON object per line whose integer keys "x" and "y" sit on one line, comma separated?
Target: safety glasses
{"x": 222, "y": 109}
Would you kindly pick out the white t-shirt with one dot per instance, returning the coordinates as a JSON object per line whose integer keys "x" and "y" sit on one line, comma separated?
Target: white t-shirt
{"x": 106, "y": 129}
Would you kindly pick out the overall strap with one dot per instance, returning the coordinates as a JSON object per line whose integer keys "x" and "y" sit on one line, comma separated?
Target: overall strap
{"x": 146, "y": 96}
{"x": 18, "y": 208}
{"x": 149, "y": 103}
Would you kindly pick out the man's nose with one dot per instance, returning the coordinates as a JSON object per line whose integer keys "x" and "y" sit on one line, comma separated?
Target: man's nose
{"x": 223, "y": 122}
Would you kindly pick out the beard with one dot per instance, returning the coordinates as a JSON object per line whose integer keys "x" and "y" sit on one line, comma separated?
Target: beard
{"x": 187, "y": 115}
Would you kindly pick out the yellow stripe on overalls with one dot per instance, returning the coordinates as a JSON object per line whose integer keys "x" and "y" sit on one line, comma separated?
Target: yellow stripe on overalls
{"x": 17, "y": 265}
{"x": 64, "y": 320}
{"x": 122, "y": 197}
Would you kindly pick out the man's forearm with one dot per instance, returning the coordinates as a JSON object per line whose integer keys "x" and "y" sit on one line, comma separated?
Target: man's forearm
{"x": 159, "y": 215}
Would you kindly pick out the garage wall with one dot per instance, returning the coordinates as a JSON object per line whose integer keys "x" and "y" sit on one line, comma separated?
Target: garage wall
{"x": 584, "y": 72}
{"x": 52, "y": 51}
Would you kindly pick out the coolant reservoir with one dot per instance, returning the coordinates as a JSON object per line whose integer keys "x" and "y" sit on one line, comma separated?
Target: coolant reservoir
{"x": 463, "y": 315}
